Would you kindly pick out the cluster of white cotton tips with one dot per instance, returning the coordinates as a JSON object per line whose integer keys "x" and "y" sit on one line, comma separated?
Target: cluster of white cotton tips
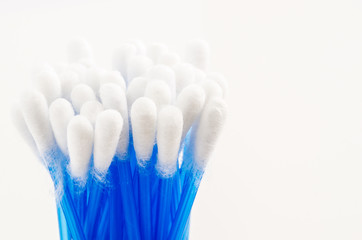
{"x": 151, "y": 94}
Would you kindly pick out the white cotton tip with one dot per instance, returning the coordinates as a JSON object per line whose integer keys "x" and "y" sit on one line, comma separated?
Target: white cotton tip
{"x": 209, "y": 128}
{"x": 91, "y": 109}
{"x": 137, "y": 66}
{"x": 86, "y": 62}
{"x": 200, "y": 76}
{"x": 140, "y": 46}
{"x": 169, "y": 130}
{"x": 47, "y": 82}
{"x": 190, "y": 101}
{"x": 113, "y": 97}
{"x": 113, "y": 77}
{"x": 36, "y": 116}
{"x": 93, "y": 78}
{"x": 159, "y": 92}
{"x": 221, "y": 80}
{"x": 198, "y": 54}
{"x": 143, "y": 119}
{"x": 108, "y": 128}
{"x": 155, "y": 50}
{"x": 81, "y": 94}
{"x": 184, "y": 75}
{"x": 60, "y": 113}
{"x": 80, "y": 146}
{"x": 164, "y": 73}
{"x": 20, "y": 124}
{"x": 121, "y": 57}
{"x": 135, "y": 90}
{"x": 79, "y": 69}
{"x": 79, "y": 49}
{"x": 68, "y": 80}
{"x": 42, "y": 67}
{"x": 60, "y": 67}
{"x": 169, "y": 59}
{"x": 212, "y": 89}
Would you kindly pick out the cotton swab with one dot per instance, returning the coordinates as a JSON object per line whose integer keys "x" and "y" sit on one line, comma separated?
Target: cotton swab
{"x": 197, "y": 53}
{"x": 159, "y": 92}
{"x": 143, "y": 118}
{"x": 60, "y": 113}
{"x": 191, "y": 102}
{"x": 108, "y": 129}
{"x": 184, "y": 75}
{"x": 121, "y": 57}
{"x": 135, "y": 90}
{"x": 20, "y": 124}
{"x": 169, "y": 131}
{"x": 137, "y": 66}
{"x": 199, "y": 150}
{"x": 36, "y": 116}
{"x": 91, "y": 109}
{"x": 114, "y": 97}
{"x": 81, "y": 94}
{"x": 165, "y": 74}
{"x": 47, "y": 82}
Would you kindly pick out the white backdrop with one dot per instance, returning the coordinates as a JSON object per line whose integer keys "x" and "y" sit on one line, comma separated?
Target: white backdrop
{"x": 289, "y": 163}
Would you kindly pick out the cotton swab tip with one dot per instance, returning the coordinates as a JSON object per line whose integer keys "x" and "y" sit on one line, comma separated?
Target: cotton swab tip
{"x": 81, "y": 94}
{"x": 211, "y": 122}
{"x": 169, "y": 131}
{"x": 190, "y": 101}
{"x": 60, "y": 113}
{"x": 47, "y": 82}
{"x": 91, "y": 109}
{"x": 198, "y": 53}
{"x": 108, "y": 128}
{"x": 143, "y": 119}
{"x": 36, "y": 116}
{"x": 78, "y": 49}
{"x": 159, "y": 92}
{"x": 80, "y": 146}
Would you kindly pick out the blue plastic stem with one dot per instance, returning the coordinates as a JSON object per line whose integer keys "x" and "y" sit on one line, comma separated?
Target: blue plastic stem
{"x": 104, "y": 222}
{"x": 74, "y": 226}
{"x": 63, "y": 230}
{"x": 176, "y": 193}
{"x": 144, "y": 193}
{"x": 96, "y": 198}
{"x": 128, "y": 200}
{"x": 116, "y": 216}
{"x": 54, "y": 160}
{"x": 189, "y": 191}
{"x": 164, "y": 207}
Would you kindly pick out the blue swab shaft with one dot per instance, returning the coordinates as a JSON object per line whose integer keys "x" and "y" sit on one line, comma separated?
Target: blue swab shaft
{"x": 63, "y": 231}
{"x": 188, "y": 195}
{"x": 164, "y": 207}
{"x": 144, "y": 186}
{"x": 128, "y": 200}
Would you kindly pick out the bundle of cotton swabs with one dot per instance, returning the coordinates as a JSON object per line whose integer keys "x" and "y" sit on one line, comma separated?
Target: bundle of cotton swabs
{"x": 126, "y": 148}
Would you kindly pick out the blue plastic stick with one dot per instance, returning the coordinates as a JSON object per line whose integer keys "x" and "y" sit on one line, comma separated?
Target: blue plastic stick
{"x": 186, "y": 232}
{"x": 74, "y": 226}
{"x": 176, "y": 193}
{"x": 144, "y": 186}
{"x": 128, "y": 200}
{"x": 96, "y": 198}
{"x": 189, "y": 191}
{"x": 54, "y": 159}
{"x": 104, "y": 222}
{"x": 116, "y": 216}
{"x": 164, "y": 207}
{"x": 63, "y": 230}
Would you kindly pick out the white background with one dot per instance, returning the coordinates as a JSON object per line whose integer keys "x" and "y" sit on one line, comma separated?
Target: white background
{"x": 289, "y": 163}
